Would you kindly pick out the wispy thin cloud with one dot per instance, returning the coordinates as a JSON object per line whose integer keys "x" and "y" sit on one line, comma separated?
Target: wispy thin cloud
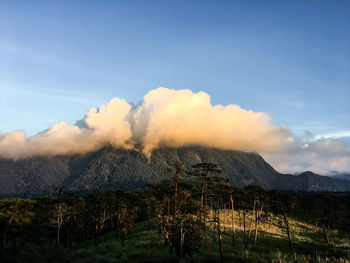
{"x": 295, "y": 104}
{"x": 333, "y": 135}
{"x": 51, "y": 59}
{"x": 55, "y": 94}
{"x": 41, "y": 56}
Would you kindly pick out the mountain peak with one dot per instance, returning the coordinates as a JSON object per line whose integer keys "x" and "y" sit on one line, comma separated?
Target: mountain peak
{"x": 307, "y": 173}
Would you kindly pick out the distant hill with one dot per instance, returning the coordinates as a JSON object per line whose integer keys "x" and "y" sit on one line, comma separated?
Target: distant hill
{"x": 309, "y": 181}
{"x": 341, "y": 176}
{"x": 116, "y": 168}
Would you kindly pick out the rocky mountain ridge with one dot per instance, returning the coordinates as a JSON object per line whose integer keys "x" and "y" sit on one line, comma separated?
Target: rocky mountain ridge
{"x": 116, "y": 168}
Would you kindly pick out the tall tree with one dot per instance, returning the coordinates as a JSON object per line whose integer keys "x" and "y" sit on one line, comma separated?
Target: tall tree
{"x": 218, "y": 190}
{"x": 14, "y": 212}
{"x": 175, "y": 172}
{"x": 283, "y": 205}
{"x": 204, "y": 172}
{"x": 98, "y": 209}
{"x": 258, "y": 196}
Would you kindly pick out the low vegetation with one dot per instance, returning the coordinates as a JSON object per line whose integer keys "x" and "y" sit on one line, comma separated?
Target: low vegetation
{"x": 194, "y": 216}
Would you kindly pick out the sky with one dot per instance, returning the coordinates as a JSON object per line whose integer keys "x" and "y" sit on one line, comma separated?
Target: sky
{"x": 290, "y": 59}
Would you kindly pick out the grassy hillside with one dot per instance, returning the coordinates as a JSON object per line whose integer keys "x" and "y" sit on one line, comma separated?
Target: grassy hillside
{"x": 146, "y": 245}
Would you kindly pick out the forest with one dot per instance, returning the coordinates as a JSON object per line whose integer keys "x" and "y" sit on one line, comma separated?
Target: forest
{"x": 193, "y": 216}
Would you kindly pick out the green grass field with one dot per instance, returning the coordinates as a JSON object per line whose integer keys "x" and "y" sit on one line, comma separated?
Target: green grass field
{"x": 145, "y": 245}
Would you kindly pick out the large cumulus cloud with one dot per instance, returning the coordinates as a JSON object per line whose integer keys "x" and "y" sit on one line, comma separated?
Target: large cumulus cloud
{"x": 99, "y": 128}
{"x": 176, "y": 118}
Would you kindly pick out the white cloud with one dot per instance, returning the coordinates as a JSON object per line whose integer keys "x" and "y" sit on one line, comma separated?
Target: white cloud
{"x": 321, "y": 156}
{"x": 177, "y": 118}
{"x": 333, "y": 135}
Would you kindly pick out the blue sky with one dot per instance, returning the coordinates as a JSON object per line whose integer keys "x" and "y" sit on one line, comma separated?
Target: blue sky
{"x": 290, "y": 59}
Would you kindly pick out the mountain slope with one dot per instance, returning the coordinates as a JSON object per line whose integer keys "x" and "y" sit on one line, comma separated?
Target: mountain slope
{"x": 309, "y": 181}
{"x": 115, "y": 168}
{"x": 340, "y": 176}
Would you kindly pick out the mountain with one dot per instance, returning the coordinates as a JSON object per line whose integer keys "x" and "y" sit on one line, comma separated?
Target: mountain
{"x": 309, "y": 181}
{"x": 116, "y": 168}
{"x": 341, "y": 176}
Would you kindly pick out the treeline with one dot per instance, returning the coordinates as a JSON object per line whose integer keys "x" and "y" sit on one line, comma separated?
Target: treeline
{"x": 187, "y": 207}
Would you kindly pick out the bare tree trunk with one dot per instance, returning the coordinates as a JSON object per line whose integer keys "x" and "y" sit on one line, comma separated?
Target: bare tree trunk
{"x": 239, "y": 218}
{"x": 149, "y": 216}
{"x": 256, "y": 226}
{"x": 203, "y": 190}
{"x": 162, "y": 226}
{"x": 182, "y": 239}
{"x": 157, "y": 211}
{"x": 168, "y": 212}
{"x": 289, "y": 234}
{"x": 329, "y": 238}
{"x": 224, "y": 207}
{"x": 117, "y": 226}
{"x": 96, "y": 236}
{"x": 58, "y": 235}
{"x": 333, "y": 245}
{"x": 60, "y": 215}
{"x": 327, "y": 235}
{"x": 244, "y": 233}
{"x": 251, "y": 224}
{"x": 219, "y": 237}
{"x": 257, "y": 218}
{"x": 159, "y": 230}
{"x": 233, "y": 221}
{"x": 175, "y": 204}
{"x": 166, "y": 225}
{"x": 125, "y": 232}
{"x": 174, "y": 215}
{"x": 205, "y": 197}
